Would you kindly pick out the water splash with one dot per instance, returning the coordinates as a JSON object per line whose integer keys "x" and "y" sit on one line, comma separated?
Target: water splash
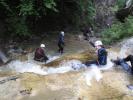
{"x": 95, "y": 72}
{"x": 108, "y": 66}
{"x": 65, "y": 66}
{"x": 27, "y": 66}
{"x": 52, "y": 58}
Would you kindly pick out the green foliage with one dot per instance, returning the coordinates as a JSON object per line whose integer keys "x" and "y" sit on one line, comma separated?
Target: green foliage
{"x": 50, "y": 4}
{"x": 18, "y": 26}
{"x": 120, "y": 3}
{"x": 26, "y": 8}
{"x": 32, "y": 7}
{"x": 17, "y": 12}
{"x": 5, "y": 5}
{"x": 118, "y": 31}
{"x": 88, "y": 11}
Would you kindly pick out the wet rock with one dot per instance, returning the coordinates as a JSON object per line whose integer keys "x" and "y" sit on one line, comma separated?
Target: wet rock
{"x": 9, "y": 79}
{"x": 84, "y": 56}
{"x": 104, "y": 13}
{"x": 17, "y": 53}
{"x": 68, "y": 86}
{"x": 72, "y": 85}
{"x": 26, "y": 91}
{"x": 16, "y": 50}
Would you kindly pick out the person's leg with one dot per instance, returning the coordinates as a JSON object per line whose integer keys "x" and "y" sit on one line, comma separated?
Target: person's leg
{"x": 89, "y": 63}
{"x": 128, "y": 58}
{"x": 125, "y": 65}
{"x": 117, "y": 62}
{"x": 45, "y": 58}
{"x": 59, "y": 45}
{"x": 61, "y": 48}
{"x": 131, "y": 70}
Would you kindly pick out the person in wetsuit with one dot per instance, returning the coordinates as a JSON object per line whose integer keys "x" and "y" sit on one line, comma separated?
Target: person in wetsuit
{"x": 123, "y": 62}
{"x": 101, "y": 54}
{"x": 40, "y": 54}
{"x": 61, "y": 43}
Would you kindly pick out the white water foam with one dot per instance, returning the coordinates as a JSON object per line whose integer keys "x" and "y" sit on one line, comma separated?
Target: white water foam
{"x": 52, "y": 58}
{"x": 27, "y": 66}
{"x": 65, "y": 66}
{"x": 95, "y": 72}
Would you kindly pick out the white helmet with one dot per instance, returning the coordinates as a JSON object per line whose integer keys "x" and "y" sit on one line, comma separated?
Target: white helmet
{"x": 97, "y": 43}
{"x": 62, "y": 33}
{"x": 42, "y": 45}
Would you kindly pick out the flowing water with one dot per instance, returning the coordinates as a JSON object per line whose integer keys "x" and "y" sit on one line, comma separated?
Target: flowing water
{"x": 65, "y": 66}
{"x": 63, "y": 79}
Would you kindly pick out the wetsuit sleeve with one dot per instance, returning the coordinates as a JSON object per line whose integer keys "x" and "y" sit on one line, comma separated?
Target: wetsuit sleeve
{"x": 128, "y": 58}
{"x": 102, "y": 52}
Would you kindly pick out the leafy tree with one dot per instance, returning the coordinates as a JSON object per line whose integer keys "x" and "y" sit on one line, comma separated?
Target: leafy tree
{"x": 17, "y": 11}
{"x": 88, "y": 11}
{"x": 121, "y": 3}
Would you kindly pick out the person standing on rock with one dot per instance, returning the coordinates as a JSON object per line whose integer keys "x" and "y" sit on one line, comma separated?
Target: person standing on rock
{"x": 40, "y": 54}
{"x": 123, "y": 62}
{"x": 101, "y": 54}
{"x": 61, "y": 43}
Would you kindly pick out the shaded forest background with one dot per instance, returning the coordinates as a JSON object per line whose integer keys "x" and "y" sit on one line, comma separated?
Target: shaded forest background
{"x": 27, "y": 17}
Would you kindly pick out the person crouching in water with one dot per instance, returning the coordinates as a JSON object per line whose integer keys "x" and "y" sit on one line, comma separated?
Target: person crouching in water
{"x": 40, "y": 54}
{"x": 123, "y": 62}
{"x": 61, "y": 42}
{"x": 101, "y": 53}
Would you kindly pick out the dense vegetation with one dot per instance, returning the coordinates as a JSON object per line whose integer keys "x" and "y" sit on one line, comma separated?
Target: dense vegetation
{"x": 118, "y": 31}
{"x": 15, "y": 13}
{"x": 25, "y": 17}
{"x": 121, "y": 28}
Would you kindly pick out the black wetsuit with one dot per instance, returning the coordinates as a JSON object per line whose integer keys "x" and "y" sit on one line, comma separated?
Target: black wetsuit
{"x": 102, "y": 58}
{"x": 61, "y": 43}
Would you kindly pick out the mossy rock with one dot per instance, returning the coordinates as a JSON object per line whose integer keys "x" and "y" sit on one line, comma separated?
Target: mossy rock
{"x": 83, "y": 57}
